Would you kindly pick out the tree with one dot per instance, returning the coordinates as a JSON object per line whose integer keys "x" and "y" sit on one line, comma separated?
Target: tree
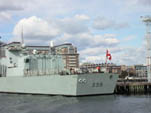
{"x": 123, "y": 74}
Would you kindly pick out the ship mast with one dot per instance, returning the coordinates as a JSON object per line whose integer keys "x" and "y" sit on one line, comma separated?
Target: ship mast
{"x": 22, "y": 37}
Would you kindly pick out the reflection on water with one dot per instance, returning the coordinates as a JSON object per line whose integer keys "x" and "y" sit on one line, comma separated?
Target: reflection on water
{"x": 13, "y": 103}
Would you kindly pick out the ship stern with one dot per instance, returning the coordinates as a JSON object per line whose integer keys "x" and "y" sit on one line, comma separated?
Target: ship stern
{"x": 96, "y": 84}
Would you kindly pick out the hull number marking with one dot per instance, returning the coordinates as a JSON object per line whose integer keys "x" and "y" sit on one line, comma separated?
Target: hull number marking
{"x": 97, "y": 84}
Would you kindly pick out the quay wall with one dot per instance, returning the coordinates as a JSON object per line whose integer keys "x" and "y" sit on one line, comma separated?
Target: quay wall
{"x": 133, "y": 88}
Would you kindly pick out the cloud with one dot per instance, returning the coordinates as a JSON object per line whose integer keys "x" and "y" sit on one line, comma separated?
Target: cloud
{"x": 136, "y": 5}
{"x": 145, "y": 2}
{"x": 132, "y": 56}
{"x": 35, "y": 29}
{"x": 105, "y": 40}
{"x": 102, "y": 23}
{"x": 89, "y": 40}
{"x": 6, "y": 6}
{"x": 120, "y": 56}
{"x": 121, "y": 25}
{"x": 140, "y": 2}
{"x": 58, "y": 20}
{"x": 4, "y": 16}
{"x": 97, "y": 54}
{"x": 14, "y": 5}
{"x": 9, "y": 8}
{"x": 38, "y": 31}
{"x": 75, "y": 29}
{"x": 99, "y": 51}
{"x": 82, "y": 17}
{"x": 94, "y": 59}
{"x": 129, "y": 38}
{"x": 73, "y": 25}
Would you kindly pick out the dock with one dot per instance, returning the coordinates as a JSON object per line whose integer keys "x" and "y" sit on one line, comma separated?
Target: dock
{"x": 133, "y": 88}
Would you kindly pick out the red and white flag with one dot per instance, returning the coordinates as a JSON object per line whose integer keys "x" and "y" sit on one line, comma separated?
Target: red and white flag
{"x": 108, "y": 55}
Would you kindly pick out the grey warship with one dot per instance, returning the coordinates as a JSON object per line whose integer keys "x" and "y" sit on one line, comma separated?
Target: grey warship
{"x": 34, "y": 72}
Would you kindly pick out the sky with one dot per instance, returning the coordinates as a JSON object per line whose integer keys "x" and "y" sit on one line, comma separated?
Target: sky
{"x": 93, "y": 26}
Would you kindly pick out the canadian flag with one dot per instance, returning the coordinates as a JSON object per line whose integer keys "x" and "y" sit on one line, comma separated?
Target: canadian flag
{"x": 108, "y": 55}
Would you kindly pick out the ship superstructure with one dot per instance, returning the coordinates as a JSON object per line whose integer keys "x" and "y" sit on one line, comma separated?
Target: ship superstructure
{"x": 43, "y": 72}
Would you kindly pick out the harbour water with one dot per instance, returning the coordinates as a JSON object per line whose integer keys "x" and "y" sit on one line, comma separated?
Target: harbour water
{"x": 14, "y": 103}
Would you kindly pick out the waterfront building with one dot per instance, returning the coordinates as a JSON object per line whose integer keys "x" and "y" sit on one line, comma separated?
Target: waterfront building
{"x": 110, "y": 67}
{"x": 123, "y": 67}
{"x": 70, "y": 55}
{"x": 131, "y": 70}
{"x": 141, "y": 70}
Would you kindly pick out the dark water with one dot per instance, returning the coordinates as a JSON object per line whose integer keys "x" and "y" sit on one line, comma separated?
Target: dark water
{"x": 58, "y": 104}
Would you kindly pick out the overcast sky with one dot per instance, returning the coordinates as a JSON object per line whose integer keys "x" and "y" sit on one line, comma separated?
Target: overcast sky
{"x": 91, "y": 25}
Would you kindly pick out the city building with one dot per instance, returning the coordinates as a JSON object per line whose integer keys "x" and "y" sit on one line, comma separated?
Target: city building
{"x": 110, "y": 67}
{"x": 141, "y": 70}
{"x": 70, "y": 55}
{"x": 131, "y": 69}
{"x": 124, "y": 68}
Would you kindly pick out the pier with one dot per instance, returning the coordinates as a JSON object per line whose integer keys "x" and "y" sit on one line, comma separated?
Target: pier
{"x": 133, "y": 88}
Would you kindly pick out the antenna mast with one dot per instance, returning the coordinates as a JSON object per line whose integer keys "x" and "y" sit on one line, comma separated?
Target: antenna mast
{"x": 22, "y": 36}
{"x": 147, "y": 22}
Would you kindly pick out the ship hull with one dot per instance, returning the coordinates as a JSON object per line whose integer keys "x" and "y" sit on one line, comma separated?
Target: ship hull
{"x": 70, "y": 85}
